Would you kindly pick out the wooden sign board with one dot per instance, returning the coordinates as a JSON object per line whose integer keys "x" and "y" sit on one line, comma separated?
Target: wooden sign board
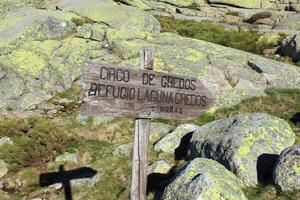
{"x": 118, "y": 91}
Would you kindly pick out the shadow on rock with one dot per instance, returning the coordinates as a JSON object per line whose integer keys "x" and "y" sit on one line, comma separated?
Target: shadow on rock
{"x": 296, "y": 118}
{"x": 65, "y": 177}
{"x": 181, "y": 151}
{"x": 157, "y": 182}
{"x": 265, "y": 166}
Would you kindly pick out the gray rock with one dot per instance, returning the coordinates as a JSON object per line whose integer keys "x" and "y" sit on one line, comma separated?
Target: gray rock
{"x": 158, "y": 130}
{"x": 292, "y": 22}
{"x": 67, "y": 157}
{"x": 3, "y": 168}
{"x": 125, "y": 149}
{"x": 203, "y": 179}
{"x": 291, "y": 47}
{"x": 119, "y": 16}
{"x": 244, "y": 144}
{"x": 171, "y": 141}
{"x": 287, "y": 170}
{"x": 86, "y": 182}
{"x": 160, "y": 166}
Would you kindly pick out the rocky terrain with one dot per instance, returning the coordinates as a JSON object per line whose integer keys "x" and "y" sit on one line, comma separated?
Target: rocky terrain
{"x": 245, "y": 147}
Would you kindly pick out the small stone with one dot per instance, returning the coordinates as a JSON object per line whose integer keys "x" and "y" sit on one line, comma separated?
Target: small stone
{"x": 5, "y": 140}
{"x": 3, "y": 168}
{"x": 67, "y": 157}
{"x": 125, "y": 149}
{"x": 160, "y": 166}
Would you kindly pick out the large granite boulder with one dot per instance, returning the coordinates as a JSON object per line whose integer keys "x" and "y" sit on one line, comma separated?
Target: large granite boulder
{"x": 204, "y": 179}
{"x": 291, "y": 47}
{"x": 247, "y": 145}
{"x": 287, "y": 170}
{"x": 111, "y": 13}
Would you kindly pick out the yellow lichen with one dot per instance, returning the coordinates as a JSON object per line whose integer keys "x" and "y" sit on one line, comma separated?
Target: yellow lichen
{"x": 27, "y": 61}
{"x": 296, "y": 168}
{"x": 194, "y": 55}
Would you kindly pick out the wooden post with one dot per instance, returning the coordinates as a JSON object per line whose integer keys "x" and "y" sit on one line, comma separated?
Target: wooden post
{"x": 141, "y": 140}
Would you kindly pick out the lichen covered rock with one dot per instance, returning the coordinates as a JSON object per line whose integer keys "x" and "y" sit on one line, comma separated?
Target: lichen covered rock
{"x": 287, "y": 170}
{"x": 204, "y": 179}
{"x": 171, "y": 141}
{"x": 158, "y": 130}
{"x": 119, "y": 16}
{"x": 243, "y": 143}
{"x": 160, "y": 167}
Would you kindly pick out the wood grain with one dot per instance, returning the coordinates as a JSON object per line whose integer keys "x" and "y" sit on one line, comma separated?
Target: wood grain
{"x": 141, "y": 143}
{"x": 135, "y": 99}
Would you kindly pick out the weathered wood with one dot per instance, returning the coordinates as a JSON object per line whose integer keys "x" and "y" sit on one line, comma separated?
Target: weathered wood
{"x": 141, "y": 141}
{"x": 118, "y": 91}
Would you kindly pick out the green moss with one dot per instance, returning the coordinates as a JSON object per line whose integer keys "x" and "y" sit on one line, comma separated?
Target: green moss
{"x": 296, "y": 168}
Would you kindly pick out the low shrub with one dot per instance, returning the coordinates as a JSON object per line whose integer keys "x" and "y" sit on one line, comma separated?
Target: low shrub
{"x": 35, "y": 141}
{"x": 260, "y": 15}
{"x": 233, "y": 13}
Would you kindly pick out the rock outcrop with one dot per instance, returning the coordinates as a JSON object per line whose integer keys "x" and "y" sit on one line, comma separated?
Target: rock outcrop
{"x": 43, "y": 51}
{"x": 204, "y": 179}
{"x": 247, "y": 145}
{"x": 287, "y": 170}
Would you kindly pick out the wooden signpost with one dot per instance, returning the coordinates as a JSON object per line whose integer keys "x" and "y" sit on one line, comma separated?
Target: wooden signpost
{"x": 143, "y": 94}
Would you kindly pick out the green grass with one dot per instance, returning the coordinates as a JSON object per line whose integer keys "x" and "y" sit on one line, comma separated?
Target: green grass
{"x": 268, "y": 192}
{"x": 215, "y": 33}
